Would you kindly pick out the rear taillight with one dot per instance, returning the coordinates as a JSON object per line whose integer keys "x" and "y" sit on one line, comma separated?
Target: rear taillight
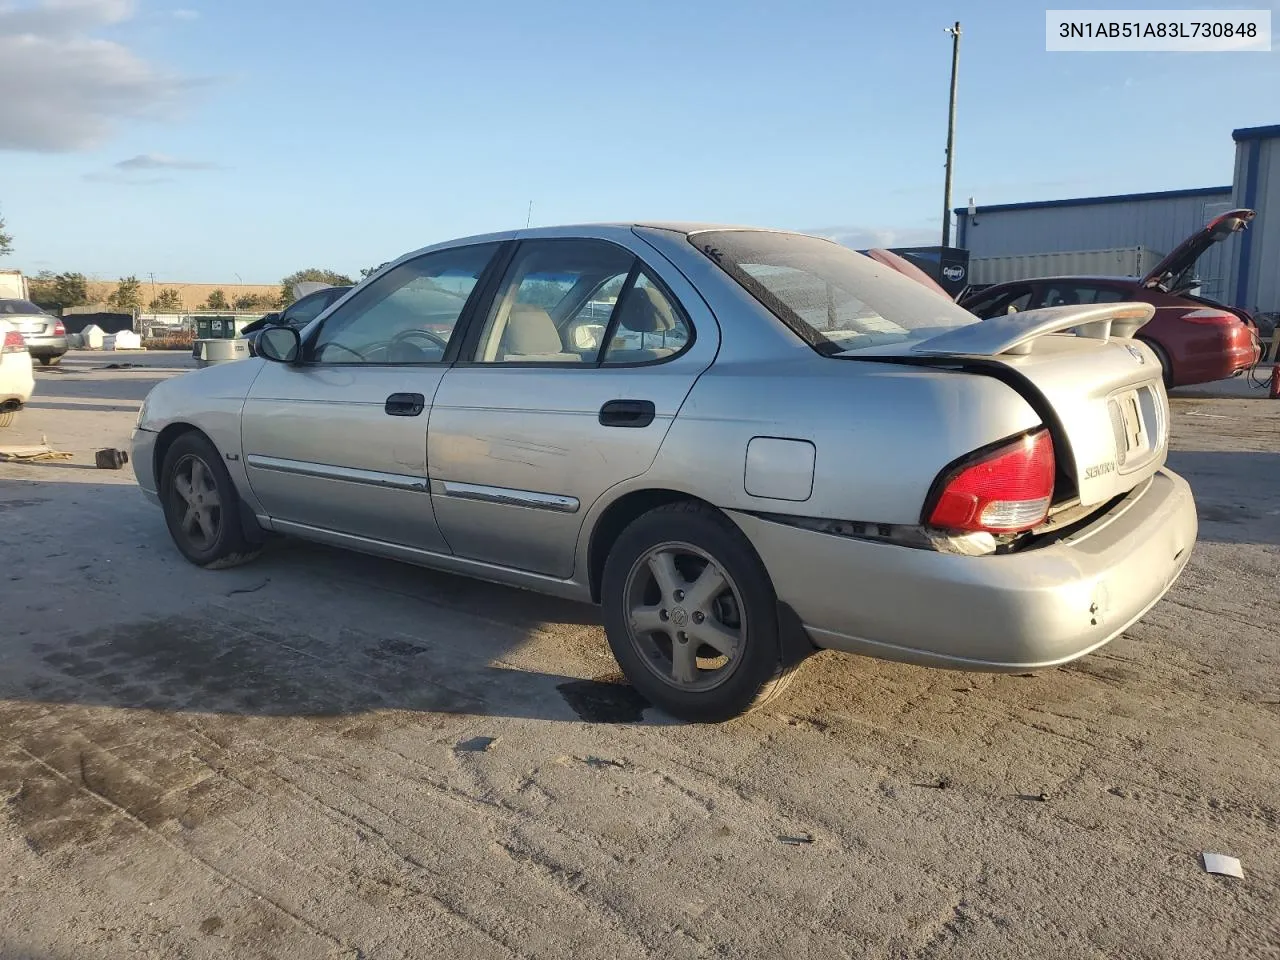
{"x": 13, "y": 342}
{"x": 59, "y": 330}
{"x": 1003, "y": 491}
{"x": 1212, "y": 318}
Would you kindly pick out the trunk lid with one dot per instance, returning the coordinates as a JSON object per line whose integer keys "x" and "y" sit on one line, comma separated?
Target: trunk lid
{"x": 29, "y": 325}
{"x": 1099, "y": 391}
{"x": 1174, "y": 274}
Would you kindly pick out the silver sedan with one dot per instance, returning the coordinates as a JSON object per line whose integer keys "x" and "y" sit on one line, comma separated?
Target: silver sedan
{"x": 743, "y": 444}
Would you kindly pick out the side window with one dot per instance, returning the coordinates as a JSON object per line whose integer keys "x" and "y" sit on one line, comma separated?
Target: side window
{"x": 1071, "y": 294}
{"x": 407, "y": 315}
{"x": 998, "y": 303}
{"x": 649, "y": 325}
{"x": 311, "y": 306}
{"x": 555, "y": 303}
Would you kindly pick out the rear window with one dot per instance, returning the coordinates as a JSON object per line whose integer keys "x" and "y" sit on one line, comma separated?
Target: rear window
{"x": 21, "y": 307}
{"x": 833, "y": 298}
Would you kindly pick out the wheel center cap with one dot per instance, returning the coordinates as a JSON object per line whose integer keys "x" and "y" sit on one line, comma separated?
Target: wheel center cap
{"x": 679, "y": 617}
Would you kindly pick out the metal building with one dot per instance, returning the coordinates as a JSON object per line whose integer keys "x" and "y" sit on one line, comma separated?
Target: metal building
{"x": 1154, "y": 221}
{"x": 1243, "y": 271}
{"x": 1256, "y": 269}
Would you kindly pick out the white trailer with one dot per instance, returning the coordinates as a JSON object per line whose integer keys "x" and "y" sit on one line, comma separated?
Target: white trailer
{"x": 1111, "y": 262}
{"x": 13, "y": 285}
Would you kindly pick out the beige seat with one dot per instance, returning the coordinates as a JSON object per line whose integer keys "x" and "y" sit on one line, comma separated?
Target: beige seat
{"x": 531, "y": 334}
{"x": 645, "y": 310}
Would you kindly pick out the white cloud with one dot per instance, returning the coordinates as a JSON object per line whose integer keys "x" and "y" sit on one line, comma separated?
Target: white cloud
{"x": 864, "y": 238}
{"x": 185, "y": 14}
{"x": 65, "y": 88}
{"x": 158, "y": 161}
{"x": 140, "y": 171}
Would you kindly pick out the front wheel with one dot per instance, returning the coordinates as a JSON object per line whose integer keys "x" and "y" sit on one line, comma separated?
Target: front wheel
{"x": 202, "y": 506}
{"x": 691, "y": 614}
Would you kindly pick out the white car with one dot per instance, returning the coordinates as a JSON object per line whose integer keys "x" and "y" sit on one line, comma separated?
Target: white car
{"x": 16, "y": 379}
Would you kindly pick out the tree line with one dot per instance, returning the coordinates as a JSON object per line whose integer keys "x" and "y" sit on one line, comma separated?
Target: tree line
{"x": 60, "y": 290}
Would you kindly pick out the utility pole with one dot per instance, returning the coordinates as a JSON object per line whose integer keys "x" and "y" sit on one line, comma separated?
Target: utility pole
{"x": 529, "y": 219}
{"x": 951, "y": 134}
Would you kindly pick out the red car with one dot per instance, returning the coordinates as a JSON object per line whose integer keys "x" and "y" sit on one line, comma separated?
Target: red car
{"x": 1196, "y": 339}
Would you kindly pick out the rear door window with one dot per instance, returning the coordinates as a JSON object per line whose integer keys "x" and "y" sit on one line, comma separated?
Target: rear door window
{"x": 1070, "y": 294}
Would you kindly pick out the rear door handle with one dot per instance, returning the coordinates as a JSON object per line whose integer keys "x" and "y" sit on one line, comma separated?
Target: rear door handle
{"x": 627, "y": 413}
{"x": 405, "y": 404}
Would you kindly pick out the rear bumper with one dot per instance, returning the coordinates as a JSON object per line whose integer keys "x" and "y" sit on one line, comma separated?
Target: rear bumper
{"x": 17, "y": 382}
{"x": 46, "y": 346}
{"x": 1023, "y": 611}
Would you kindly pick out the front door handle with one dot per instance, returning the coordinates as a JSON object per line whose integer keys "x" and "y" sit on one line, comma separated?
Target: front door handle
{"x": 627, "y": 413}
{"x": 405, "y": 404}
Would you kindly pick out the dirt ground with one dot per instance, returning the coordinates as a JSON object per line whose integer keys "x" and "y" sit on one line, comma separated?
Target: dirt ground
{"x": 325, "y": 755}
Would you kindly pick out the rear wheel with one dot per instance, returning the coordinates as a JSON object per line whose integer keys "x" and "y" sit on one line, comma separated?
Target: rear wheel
{"x": 50, "y": 361}
{"x": 202, "y": 506}
{"x": 1165, "y": 366}
{"x": 691, "y": 614}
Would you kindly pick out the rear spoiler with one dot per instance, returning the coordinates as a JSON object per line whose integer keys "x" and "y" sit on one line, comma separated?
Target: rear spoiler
{"x": 1013, "y": 333}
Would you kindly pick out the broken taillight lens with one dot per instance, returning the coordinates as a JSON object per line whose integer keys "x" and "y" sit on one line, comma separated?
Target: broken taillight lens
{"x": 1002, "y": 491}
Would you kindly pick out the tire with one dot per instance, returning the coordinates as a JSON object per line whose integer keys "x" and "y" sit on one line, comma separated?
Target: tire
{"x": 1166, "y": 367}
{"x": 742, "y": 615}
{"x": 214, "y": 539}
{"x": 7, "y": 417}
{"x": 50, "y": 361}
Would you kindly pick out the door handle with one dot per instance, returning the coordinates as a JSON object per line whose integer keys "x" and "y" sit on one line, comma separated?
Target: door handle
{"x": 405, "y": 404}
{"x": 627, "y": 413}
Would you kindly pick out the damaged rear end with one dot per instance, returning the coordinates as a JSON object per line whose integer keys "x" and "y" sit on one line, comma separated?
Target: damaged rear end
{"x": 1101, "y": 401}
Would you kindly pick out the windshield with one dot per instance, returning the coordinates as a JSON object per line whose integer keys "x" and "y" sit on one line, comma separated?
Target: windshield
{"x": 833, "y": 298}
{"x": 22, "y": 307}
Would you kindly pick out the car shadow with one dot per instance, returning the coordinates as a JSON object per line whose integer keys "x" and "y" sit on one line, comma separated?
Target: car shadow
{"x": 1237, "y": 499}
{"x": 98, "y": 386}
{"x": 104, "y": 612}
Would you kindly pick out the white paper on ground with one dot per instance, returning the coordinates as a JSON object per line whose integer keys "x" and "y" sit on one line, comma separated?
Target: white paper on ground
{"x": 1221, "y": 863}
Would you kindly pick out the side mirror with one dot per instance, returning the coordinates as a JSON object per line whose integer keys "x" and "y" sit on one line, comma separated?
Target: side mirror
{"x": 280, "y": 344}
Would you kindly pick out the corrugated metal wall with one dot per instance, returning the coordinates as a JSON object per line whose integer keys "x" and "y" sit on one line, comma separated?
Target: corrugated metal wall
{"x": 1156, "y": 221}
{"x": 1255, "y": 280}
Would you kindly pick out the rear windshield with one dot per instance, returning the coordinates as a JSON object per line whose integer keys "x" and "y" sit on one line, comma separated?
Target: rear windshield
{"x": 18, "y": 306}
{"x": 835, "y": 299}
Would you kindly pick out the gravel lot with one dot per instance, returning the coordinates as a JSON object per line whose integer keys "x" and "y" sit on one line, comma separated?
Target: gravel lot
{"x": 282, "y": 760}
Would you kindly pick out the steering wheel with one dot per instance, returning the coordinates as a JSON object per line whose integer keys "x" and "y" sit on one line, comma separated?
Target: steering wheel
{"x": 436, "y": 339}
{"x": 333, "y": 343}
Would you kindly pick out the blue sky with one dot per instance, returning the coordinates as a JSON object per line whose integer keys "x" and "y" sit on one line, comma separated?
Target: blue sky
{"x": 216, "y": 141}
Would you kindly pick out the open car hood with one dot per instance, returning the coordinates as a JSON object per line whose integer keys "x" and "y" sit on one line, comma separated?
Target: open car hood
{"x": 1173, "y": 274}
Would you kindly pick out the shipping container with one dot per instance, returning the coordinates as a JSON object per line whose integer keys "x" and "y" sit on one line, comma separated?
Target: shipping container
{"x": 1111, "y": 262}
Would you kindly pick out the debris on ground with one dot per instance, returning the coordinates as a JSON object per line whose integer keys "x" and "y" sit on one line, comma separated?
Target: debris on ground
{"x": 599, "y": 762}
{"x": 796, "y": 841}
{"x": 110, "y": 458}
{"x": 35, "y": 454}
{"x": 475, "y": 745}
{"x": 1223, "y": 864}
{"x": 232, "y": 593}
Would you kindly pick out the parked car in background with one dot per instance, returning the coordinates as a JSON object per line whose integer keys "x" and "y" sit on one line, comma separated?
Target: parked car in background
{"x": 45, "y": 335}
{"x": 297, "y": 315}
{"x": 1196, "y": 339}
{"x": 776, "y": 444}
{"x": 16, "y": 379}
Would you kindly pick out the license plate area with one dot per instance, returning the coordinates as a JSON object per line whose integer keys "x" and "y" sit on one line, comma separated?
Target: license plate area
{"x": 1137, "y": 439}
{"x": 1135, "y": 421}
